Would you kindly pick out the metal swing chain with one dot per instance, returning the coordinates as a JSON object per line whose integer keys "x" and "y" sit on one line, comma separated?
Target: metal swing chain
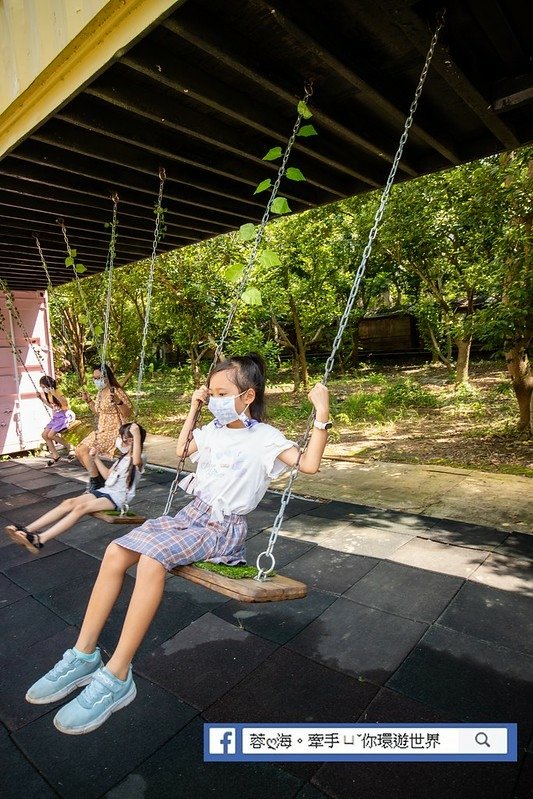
{"x": 109, "y": 268}
{"x": 157, "y": 237}
{"x": 12, "y": 307}
{"x": 61, "y": 222}
{"x": 15, "y": 351}
{"x": 308, "y": 91}
{"x": 50, "y": 293}
{"x": 302, "y": 444}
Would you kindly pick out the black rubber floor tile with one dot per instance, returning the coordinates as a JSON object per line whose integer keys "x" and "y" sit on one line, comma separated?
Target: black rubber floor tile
{"x": 260, "y": 519}
{"x": 10, "y": 592}
{"x": 9, "y": 490}
{"x": 341, "y": 510}
{"x": 285, "y": 550}
{"x": 97, "y": 541}
{"x": 524, "y": 786}
{"x": 413, "y": 593}
{"x": 34, "y": 482}
{"x": 14, "y": 555}
{"x": 19, "y": 779}
{"x": 296, "y": 504}
{"x": 471, "y": 679}
{"x": 21, "y": 669}
{"x": 17, "y": 498}
{"x": 289, "y": 688}
{"x": 178, "y": 770}
{"x": 389, "y": 707}
{"x": 69, "y": 599}
{"x": 10, "y": 470}
{"x": 310, "y": 792}
{"x": 86, "y": 766}
{"x": 449, "y": 531}
{"x": 507, "y": 573}
{"x": 518, "y": 545}
{"x": 153, "y": 476}
{"x": 438, "y": 557}
{"x": 359, "y": 641}
{"x": 44, "y": 573}
{"x": 192, "y": 592}
{"x": 65, "y": 490}
{"x": 328, "y": 570}
{"x": 503, "y": 617}
{"x": 25, "y": 622}
{"x": 90, "y": 528}
{"x": 203, "y": 661}
{"x": 276, "y": 621}
{"x": 26, "y": 514}
{"x": 407, "y": 780}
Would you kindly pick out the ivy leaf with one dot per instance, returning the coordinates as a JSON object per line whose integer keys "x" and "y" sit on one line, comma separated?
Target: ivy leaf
{"x": 263, "y": 186}
{"x": 303, "y": 110}
{"x": 280, "y": 206}
{"x": 98, "y": 330}
{"x": 80, "y": 269}
{"x": 234, "y": 272}
{"x": 294, "y": 174}
{"x": 69, "y": 261}
{"x": 247, "y": 232}
{"x": 272, "y": 154}
{"x": 73, "y": 253}
{"x": 252, "y": 297}
{"x": 307, "y": 130}
{"x": 269, "y": 258}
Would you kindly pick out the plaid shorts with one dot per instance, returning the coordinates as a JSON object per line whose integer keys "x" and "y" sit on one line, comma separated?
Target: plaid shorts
{"x": 189, "y": 536}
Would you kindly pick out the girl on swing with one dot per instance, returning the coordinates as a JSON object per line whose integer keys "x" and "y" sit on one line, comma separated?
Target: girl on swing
{"x": 51, "y": 397}
{"x": 112, "y": 408}
{"x": 118, "y": 489}
{"x": 237, "y": 455}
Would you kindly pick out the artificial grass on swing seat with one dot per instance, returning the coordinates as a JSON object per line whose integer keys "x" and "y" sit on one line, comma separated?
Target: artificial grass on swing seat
{"x": 233, "y": 572}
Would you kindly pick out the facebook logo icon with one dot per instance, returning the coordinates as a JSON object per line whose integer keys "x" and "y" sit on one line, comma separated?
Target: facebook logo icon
{"x": 222, "y": 741}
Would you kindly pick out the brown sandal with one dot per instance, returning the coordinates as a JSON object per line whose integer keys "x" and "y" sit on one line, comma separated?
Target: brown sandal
{"x": 22, "y": 537}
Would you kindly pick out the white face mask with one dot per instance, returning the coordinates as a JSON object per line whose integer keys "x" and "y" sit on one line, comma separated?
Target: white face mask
{"x": 99, "y": 382}
{"x": 121, "y": 445}
{"x": 225, "y": 412}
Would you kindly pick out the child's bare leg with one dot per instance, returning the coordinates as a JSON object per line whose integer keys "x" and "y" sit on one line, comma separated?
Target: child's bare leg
{"x": 82, "y": 453}
{"x": 53, "y": 515}
{"x": 60, "y": 440}
{"x": 84, "y": 505}
{"x": 117, "y": 560}
{"x": 145, "y": 600}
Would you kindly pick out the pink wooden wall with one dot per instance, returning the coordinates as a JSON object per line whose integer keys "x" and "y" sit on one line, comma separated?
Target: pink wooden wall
{"x": 22, "y": 414}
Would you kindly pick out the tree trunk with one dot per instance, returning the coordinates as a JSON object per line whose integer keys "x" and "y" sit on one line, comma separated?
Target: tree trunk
{"x": 437, "y": 356}
{"x": 463, "y": 360}
{"x": 195, "y": 368}
{"x": 300, "y": 346}
{"x": 519, "y": 369}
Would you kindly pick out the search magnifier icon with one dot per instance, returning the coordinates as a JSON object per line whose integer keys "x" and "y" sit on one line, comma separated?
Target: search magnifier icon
{"x": 482, "y": 739}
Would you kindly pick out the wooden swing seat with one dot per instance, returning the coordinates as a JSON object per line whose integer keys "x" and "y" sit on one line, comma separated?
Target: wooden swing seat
{"x": 112, "y": 517}
{"x": 274, "y": 589}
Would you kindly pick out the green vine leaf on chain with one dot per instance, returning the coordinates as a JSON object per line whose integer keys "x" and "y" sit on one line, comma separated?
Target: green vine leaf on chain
{"x": 280, "y": 206}
{"x": 269, "y": 258}
{"x": 80, "y": 269}
{"x": 293, "y": 173}
{"x": 234, "y": 272}
{"x": 251, "y": 296}
{"x": 273, "y": 153}
{"x": 263, "y": 186}
{"x": 73, "y": 253}
{"x": 303, "y": 110}
{"x": 307, "y": 130}
{"x": 247, "y": 232}
{"x": 69, "y": 261}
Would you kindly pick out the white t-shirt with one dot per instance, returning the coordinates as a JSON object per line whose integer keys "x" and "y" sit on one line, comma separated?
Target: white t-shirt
{"x": 235, "y": 466}
{"x": 116, "y": 483}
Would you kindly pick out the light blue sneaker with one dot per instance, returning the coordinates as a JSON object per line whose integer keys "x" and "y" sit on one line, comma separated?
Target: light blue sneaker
{"x": 104, "y": 695}
{"x": 70, "y": 673}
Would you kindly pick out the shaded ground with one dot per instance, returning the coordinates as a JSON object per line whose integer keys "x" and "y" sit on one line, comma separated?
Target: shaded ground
{"x": 402, "y": 623}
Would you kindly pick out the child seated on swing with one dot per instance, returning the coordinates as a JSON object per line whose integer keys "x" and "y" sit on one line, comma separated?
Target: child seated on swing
{"x": 50, "y": 396}
{"x": 237, "y": 455}
{"x": 118, "y": 491}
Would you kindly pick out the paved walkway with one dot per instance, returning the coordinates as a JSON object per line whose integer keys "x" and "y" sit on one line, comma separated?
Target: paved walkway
{"x": 409, "y": 618}
{"x": 467, "y": 495}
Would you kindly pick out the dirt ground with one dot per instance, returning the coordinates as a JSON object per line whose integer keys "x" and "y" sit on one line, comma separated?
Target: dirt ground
{"x": 472, "y": 428}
